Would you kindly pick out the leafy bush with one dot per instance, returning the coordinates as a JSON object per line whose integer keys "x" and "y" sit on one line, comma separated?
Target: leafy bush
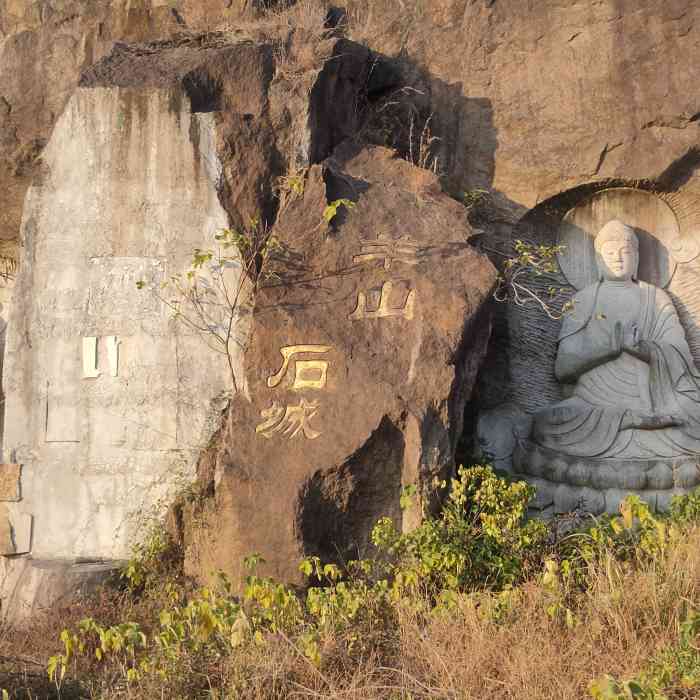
{"x": 626, "y": 580}
{"x": 480, "y": 540}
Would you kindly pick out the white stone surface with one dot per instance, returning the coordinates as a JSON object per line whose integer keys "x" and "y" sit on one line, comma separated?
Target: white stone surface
{"x": 22, "y": 532}
{"x": 127, "y": 191}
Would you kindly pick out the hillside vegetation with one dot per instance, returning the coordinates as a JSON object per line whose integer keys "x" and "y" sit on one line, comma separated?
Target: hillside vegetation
{"x": 479, "y": 602}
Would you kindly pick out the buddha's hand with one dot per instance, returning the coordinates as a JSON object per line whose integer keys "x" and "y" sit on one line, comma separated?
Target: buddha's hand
{"x": 617, "y": 338}
{"x": 632, "y": 345}
{"x": 641, "y": 351}
{"x": 630, "y": 335}
{"x": 625, "y": 338}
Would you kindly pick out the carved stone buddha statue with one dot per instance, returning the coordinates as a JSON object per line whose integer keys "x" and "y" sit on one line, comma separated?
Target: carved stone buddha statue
{"x": 632, "y": 416}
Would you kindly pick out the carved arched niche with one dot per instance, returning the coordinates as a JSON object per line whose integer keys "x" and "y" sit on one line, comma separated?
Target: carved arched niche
{"x": 519, "y": 369}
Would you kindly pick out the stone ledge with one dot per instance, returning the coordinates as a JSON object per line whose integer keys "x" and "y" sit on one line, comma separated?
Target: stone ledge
{"x": 663, "y": 474}
{"x": 554, "y": 498}
{"x": 31, "y": 585}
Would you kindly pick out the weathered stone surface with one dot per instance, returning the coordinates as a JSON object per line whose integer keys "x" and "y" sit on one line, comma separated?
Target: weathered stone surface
{"x": 497, "y": 433}
{"x": 360, "y": 362}
{"x": 162, "y": 146}
{"x": 660, "y": 477}
{"x": 93, "y": 367}
{"x": 44, "y": 47}
{"x": 156, "y": 152}
{"x": 7, "y": 545}
{"x": 570, "y": 130}
{"x": 615, "y": 111}
{"x": 10, "y": 489}
{"x": 544, "y": 496}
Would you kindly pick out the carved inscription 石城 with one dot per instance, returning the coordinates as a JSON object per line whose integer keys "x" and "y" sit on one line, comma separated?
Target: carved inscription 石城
{"x": 289, "y": 420}
{"x": 308, "y": 374}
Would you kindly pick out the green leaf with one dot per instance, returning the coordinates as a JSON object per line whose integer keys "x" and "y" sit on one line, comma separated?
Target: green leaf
{"x": 306, "y": 567}
{"x": 331, "y": 211}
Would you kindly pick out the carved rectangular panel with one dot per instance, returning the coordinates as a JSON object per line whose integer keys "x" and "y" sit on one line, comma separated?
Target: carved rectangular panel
{"x": 15, "y": 532}
{"x": 21, "y": 524}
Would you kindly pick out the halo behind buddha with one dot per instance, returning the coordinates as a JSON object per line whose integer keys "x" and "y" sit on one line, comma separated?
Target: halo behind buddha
{"x": 650, "y": 219}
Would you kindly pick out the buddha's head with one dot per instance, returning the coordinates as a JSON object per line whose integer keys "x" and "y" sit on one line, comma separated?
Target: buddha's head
{"x": 617, "y": 252}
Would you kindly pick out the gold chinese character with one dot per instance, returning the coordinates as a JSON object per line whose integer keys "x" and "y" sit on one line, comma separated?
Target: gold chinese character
{"x": 388, "y": 250}
{"x": 289, "y": 421}
{"x": 309, "y": 374}
{"x": 384, "y": 310}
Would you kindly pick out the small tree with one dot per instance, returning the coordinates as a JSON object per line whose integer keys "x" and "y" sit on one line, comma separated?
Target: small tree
{"x": 208, "y": 297}
{"x": 530, "y": 263}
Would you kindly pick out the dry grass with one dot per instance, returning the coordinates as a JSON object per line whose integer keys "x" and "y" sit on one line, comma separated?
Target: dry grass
{"x": 625, "y": 616}
{"x": 24, "y": 652}
{"x": 298, "y": 32}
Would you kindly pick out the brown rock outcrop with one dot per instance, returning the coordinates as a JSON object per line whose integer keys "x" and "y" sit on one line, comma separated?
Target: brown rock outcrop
{"x": 360, "y": 360}
{"x": 377, "y": 323}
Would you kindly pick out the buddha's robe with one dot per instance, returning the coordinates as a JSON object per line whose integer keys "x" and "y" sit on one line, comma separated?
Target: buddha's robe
{"x": 609, "y": 390}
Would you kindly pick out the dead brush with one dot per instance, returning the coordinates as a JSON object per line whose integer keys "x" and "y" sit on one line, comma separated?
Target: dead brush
{"x": 626, "y": 615}
{"x": 618, "y": 607}
{"x": 398, "y": 122}
{"x": 297, "y": 31}
{"x": 422, "y": 146}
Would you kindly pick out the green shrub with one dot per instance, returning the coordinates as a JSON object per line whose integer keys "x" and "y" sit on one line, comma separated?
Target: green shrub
{"x": 480, "y": 540}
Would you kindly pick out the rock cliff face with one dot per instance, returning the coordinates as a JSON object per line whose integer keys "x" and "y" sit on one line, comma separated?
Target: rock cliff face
{"x": 143, "y": 126}
{"x": 535, "y": 99}
{"x": 529, "y": 101}
{"x": 161, "y": 146}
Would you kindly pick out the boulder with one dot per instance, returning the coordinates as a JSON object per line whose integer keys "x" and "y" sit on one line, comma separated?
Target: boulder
{"x": 360, "y": 360}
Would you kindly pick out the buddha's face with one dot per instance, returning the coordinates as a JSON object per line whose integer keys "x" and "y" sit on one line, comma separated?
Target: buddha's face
{"x": 618, "y": 260}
